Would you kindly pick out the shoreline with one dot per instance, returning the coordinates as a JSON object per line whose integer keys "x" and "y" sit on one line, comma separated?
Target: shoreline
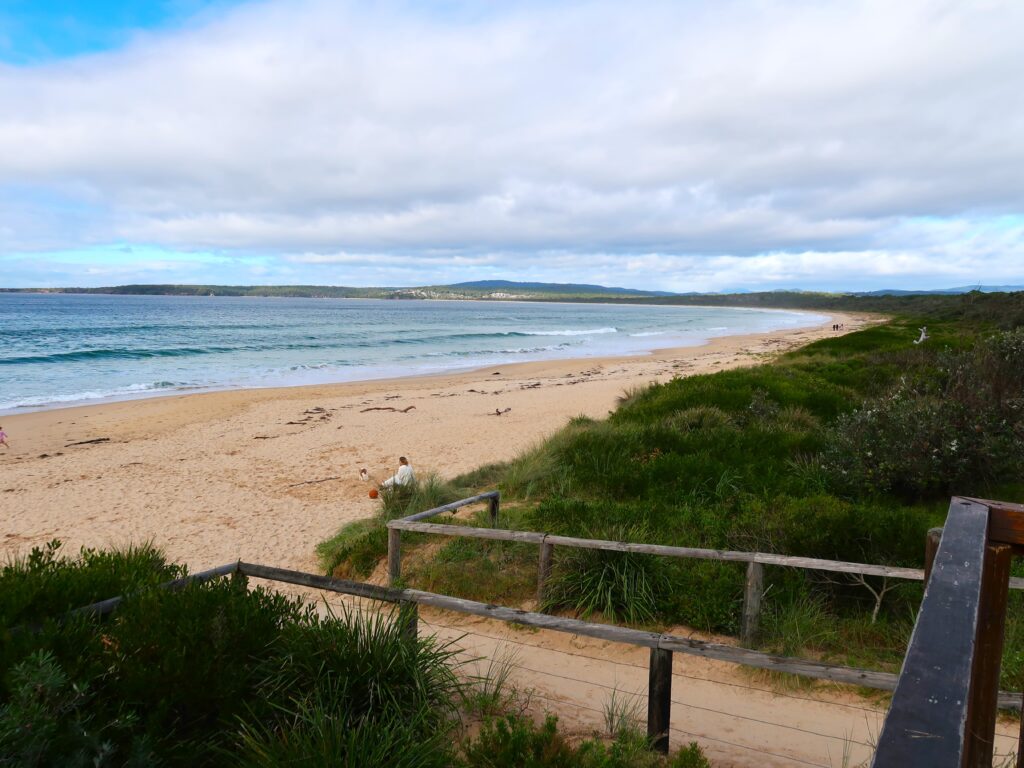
{"x": 9, "y": 414}
{"x": 211, "y": 477}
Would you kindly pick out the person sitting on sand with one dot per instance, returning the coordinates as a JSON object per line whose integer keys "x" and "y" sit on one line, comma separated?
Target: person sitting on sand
{"x": 404, "y": 475}
{"x": 3, "y": 439}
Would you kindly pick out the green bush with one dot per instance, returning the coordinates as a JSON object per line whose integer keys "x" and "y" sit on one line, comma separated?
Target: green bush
{"x": 187, "y": 661}
{"x": 45, "y": 583}
{"x": 704, "y": 594}
{"x": 216, "y": 673}
{"x": 919, "y": 445}
{"x": 315, "y": 738}
{"x": 479, "y": 569}
{"x": 50, "y": 720}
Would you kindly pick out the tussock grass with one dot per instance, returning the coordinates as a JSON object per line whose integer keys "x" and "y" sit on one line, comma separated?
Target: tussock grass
{"x": 617, "y": 585}
{"x": 357, "y": 547}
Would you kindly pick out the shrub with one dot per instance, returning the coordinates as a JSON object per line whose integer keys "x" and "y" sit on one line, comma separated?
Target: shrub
{"x": 47, "y": 584}
{"x": 918, "y": 445}
{"x": 516, "y": 742}
{"x": 315, "y": 737}
{"x": 186, "y": 661}
{"x": 216, "y": 673}
{"x": 704, "y": 594}
{"x": 50, "y": 720}
{"x": 363, "y": 665}
{"x": 479, "y": 569}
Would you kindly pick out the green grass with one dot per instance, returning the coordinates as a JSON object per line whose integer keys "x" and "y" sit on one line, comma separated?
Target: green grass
{"x": 518, "y": 742}
{"x": 355, "y": 550}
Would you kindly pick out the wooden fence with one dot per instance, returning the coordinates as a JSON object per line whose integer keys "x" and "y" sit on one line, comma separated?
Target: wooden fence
{"x": 943, "y": 712}
{"x": 754, "y": 586}
{"x": 946, "y": 696}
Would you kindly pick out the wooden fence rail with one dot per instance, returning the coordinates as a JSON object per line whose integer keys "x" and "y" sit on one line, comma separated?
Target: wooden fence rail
{"x": 662, "y": 645}
{"x": 756, "y": 560}
{"x": 943, "y": 712}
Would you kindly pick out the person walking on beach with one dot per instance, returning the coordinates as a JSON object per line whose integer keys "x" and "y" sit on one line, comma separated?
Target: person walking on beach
{"x": 3, "y": 439}
{"x": 404, "y": 475}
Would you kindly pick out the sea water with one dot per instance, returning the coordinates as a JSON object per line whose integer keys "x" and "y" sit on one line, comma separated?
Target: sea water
{"x": 65, "y": 349}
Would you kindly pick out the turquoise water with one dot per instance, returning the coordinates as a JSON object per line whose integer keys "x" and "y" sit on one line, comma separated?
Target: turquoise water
{"x": 61, "y": 349}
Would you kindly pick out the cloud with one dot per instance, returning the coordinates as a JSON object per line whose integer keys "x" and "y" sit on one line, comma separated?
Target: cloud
{"x": 717, "y": 136}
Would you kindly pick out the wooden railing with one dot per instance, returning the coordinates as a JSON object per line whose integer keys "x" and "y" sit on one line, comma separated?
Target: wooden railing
{"x": 547, "y": 542}
{"x": 946, "y": 696}
{"x": 662, "y": 646}
{"x": 943, "y": 712}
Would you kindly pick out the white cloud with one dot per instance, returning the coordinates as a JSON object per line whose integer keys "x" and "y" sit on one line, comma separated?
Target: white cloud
{"x": 754, "y": 140}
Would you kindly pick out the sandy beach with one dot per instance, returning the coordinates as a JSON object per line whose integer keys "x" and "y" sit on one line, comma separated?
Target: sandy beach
{"x": 214, "y": 477}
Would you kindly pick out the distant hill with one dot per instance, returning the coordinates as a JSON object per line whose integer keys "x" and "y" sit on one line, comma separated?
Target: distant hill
{"x": 945, "y": 291}
{"x": 509, "y": 290}
{"x": 517, "y": 287}
{"x": 482, "y": 289}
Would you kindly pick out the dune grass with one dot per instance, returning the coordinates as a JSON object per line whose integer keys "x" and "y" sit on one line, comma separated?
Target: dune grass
{"x": 355, "y": 550}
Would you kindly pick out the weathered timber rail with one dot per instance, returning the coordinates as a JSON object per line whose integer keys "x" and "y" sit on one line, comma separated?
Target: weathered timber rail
{"x": 547, "y": 542}
{"x": 943, "y": 712}
{"x": 661, "y": 645}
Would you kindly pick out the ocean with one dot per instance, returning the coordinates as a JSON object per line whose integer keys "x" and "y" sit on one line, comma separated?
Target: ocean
{"x": 65, "y": 349}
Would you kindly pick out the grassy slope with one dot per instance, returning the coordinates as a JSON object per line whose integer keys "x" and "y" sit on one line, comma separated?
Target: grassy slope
{"x": 780, "y": 457}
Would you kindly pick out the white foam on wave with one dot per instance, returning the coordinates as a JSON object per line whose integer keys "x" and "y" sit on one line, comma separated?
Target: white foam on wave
{"x": 586, "y": 332}
{"x": 647, "y": 333}
{"x": 126, "y": 391}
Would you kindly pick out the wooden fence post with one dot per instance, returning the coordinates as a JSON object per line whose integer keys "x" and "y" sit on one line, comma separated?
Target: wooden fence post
{"x": 547, "y": 551}
{"x": 931, "y": 546}
{"x": 394, "y": 555}
{"x": 494, "y": 504}
{"x": 988, "y": 654}
{"x": 752, "y": 603}
{"x": 659, "y": 699}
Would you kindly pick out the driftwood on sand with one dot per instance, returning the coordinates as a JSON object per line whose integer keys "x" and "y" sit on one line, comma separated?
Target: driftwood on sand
{"x": 388, "y": 408}
{"x": 314, "y": 482}
{"x": 89, "y": 442}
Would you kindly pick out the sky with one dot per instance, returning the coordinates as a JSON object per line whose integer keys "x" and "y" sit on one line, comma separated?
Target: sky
{"x": 685, "y": 146}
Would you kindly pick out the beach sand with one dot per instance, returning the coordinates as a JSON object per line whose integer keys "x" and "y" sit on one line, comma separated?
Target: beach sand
{"x": 214, "y": 477}
{"x": 221, "y": 476}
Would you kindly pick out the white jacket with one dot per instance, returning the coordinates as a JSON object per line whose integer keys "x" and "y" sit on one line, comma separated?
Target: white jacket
{"x": 403, "y": 476}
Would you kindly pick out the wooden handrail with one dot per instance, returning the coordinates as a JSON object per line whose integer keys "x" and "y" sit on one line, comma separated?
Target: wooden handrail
{"x": 413, "y": 523}
{"x": 943, "y": 712}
